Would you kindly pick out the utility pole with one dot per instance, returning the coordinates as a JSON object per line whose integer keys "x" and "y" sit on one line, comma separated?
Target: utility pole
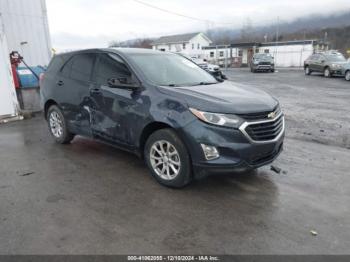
{"x": 277, "y": 35}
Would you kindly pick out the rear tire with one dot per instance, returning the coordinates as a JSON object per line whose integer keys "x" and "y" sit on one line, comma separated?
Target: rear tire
{"x": 168, "y": 159}
{"x": 327, "y": 72}
{"x": 347, "y": 75}
{"x": 58, "y": 126}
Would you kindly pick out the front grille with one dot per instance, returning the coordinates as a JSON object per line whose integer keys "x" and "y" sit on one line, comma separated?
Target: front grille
{"x": 260, "y": 115}
{"x": 265, "y": 130}
{"x": 264, "y": 63}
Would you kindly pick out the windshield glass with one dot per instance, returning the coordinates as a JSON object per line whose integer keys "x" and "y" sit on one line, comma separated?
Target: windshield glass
{"x": 336, "y": 58}
{"x": 262, "y": 56}
{"x": 166, "y": 69}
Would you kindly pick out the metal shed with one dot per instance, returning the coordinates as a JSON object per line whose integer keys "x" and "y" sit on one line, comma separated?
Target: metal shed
{"x": 26, "y": 28}
{"x": 8, "y": 99}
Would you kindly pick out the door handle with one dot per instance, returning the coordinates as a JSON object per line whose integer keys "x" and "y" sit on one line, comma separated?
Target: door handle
{"x": 60, "y": 83}
{"x": 95, "y": 91}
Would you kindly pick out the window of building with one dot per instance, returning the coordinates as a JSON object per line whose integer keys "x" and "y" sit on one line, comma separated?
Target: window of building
{"x": 184, "y": 46}
{"x": 198, "y": 46}
{"x": 192, "y": 46}
{"x": 212, "y": 54}
{"x": 257, "y": 50}
{"x": 267, "y": 51}
{"x": 240, "y": 53}
{"x": 111, "y": 66}
{"x": 169, "y": 46}
{"x": 221, "y": 53}
{"x": 79, "y": 67}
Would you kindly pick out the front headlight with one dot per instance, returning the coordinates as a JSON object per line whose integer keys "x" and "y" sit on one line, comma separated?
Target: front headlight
{"x": 336, "y": 66}
{"x": 256, "y": 62}
{"x": 227, "y": 120}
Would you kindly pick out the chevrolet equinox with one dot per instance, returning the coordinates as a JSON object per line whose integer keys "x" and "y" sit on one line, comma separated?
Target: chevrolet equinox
{"x": 164, "y": 108}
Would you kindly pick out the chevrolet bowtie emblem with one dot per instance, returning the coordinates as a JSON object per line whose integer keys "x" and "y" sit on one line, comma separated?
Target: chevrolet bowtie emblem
{"x": 271, "y": 115}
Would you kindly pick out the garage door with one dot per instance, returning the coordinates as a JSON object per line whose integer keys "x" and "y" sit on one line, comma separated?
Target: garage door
{"x": 8, "y": 99}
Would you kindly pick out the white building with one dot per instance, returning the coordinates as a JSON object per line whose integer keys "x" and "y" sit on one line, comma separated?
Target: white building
{"x": 291, "y": 53}
{"x": 8, "y": 98}
{"x": 23, "y": 28}
{"x": 26, "y": 29}
{"x": 188, "y": 44}
{"x": 286, "y": 54}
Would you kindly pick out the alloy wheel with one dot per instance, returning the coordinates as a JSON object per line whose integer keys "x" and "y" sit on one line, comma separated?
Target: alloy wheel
{"x": 56, "y": 124}
{"x": 165, "y": 160}
{"x": 347, "y": 76}
{"x": 327, "y": 73}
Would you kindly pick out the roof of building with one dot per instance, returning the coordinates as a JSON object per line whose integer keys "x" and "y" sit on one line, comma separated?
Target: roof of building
{"x": 259, "y": 44}
{"x": 183, "y": 38}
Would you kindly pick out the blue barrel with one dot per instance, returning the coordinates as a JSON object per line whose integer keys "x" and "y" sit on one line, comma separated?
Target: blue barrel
{"x": 27, "y": 79}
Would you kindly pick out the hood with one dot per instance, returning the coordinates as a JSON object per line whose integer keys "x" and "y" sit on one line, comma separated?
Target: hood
{"x": 211, "y": 66}
{"x": 225, "y": 97}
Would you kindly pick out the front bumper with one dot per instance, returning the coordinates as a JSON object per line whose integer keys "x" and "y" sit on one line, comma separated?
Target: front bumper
{"x": 237, "y": 152}
{"x": 337, "y": 72}
{"x": 264, "y": 67}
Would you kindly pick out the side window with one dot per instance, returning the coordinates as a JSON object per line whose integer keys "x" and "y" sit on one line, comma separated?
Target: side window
{"x": 111, "y": 66}
{"x": 56, "y": 63}
{"x": 65, "y": 71}
{"x": 81, "y": 67}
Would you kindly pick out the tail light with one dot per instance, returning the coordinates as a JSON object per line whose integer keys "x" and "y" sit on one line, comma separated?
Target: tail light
{"x": 41, "y": 79}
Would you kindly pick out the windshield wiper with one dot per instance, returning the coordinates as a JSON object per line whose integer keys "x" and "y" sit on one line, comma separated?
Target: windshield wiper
{"x": 204, "y": 83}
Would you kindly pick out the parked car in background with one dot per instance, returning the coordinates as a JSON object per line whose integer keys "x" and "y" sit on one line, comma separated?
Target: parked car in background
{"x": 262, "y": 62}
{"x": 214, "y": 70}
{"x": 346, "y": 71}
{"x": 329, "y": 63}
{"x": 164, "y": 108}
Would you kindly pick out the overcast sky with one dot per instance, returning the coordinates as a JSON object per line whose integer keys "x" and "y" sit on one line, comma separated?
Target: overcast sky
{"x": 94, "y": 23}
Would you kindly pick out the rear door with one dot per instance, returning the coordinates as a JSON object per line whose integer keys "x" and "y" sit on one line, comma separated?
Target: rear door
{"x": 319, "y": 64}
{"x": 313, "y": 62}
{"x": 73, "y": 85}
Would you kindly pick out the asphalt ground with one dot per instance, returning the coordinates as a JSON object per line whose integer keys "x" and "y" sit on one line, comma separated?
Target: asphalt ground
{"x": 90, "y": 198}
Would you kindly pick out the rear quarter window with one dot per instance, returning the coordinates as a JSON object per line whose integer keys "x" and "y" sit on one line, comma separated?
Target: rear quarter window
{"x": 56, "y": 64}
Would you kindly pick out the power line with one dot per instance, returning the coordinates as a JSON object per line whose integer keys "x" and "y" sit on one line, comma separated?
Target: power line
{"x": 172, "y": 12}
{"x": 196, "y": 18}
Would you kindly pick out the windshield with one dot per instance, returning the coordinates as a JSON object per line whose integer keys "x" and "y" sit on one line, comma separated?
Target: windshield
{"x": 262, "y": 56}
{"x": 166, "y": 69}
{"x": 336, "y": 58}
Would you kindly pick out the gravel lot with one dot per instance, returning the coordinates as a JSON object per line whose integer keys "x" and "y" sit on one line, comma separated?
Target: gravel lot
{"x": 89, "y": 198}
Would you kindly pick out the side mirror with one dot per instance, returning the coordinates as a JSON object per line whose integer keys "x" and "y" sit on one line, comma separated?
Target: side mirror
{"x": 121, "y": 82}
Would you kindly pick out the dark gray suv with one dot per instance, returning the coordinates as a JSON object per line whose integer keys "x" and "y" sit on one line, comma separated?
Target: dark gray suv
{"x": 165, "y": 109}
{"x": 329, "y": 63}
{"x": 262, "y": 62}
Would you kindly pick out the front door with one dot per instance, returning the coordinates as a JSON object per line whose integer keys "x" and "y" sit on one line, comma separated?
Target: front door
{"x": 112, "y": 110}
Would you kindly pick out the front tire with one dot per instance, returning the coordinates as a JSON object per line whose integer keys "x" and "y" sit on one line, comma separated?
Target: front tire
{"x": 57, "y": 126}
{"x": 347, "y": 75}
{"x": 168, "y": 159}
{"x": 327, "y": 72}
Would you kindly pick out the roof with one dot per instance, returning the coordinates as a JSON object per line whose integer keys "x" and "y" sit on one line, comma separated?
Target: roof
{"x": 119, "y": 50}
{"x": 295, "y": 42}
{"x": 177, "y": 38}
